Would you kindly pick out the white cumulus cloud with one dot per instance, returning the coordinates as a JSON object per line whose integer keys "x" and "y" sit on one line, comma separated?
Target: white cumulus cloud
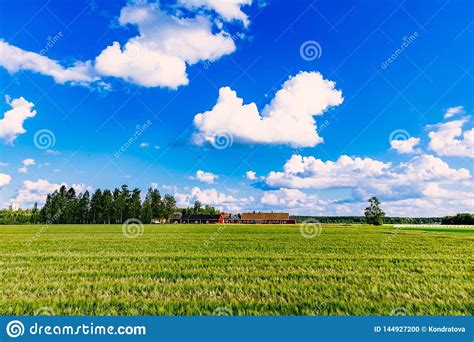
{"x": 229, "y": 10}
{"x": 11, "y": 126}
{"x": 251, "y": 175}
{"x": 453, "y": 111}
{"x": 366, "y": 176}
{"x": 166, "y": 44}
{"x": 205, "y": 177}
{"x": 4, "y": 179}
{"x": 26, "y": 163}
{"x": 214, "y": 198}
{"x": 287, "y": 119}
{"x": 32, "y": 192}
{"x": 449, "y": 139}
{"x": 405, "y": 146}
{"x": 168, "y": 41}
{"x": 14, "y": 59}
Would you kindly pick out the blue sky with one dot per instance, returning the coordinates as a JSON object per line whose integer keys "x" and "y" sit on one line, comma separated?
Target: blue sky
{"x": 373, "y": 99}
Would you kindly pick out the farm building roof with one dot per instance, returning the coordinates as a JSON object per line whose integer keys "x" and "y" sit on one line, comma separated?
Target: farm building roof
{"x": 200, "y": 217}
{"x": 265, "y": 216}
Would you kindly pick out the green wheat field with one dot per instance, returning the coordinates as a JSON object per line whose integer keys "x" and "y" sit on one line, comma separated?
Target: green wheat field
{"x": 235, "y": 269}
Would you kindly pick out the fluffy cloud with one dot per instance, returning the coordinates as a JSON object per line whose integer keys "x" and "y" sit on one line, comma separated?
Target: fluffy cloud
{"x": 4, "y": 179}
{"x": 405, "y": 146}
{"x": 453, "y": 111}
{"x": 449, "y": 139}
{"x": 212, "y": 197}
{"x": 26, "y": 163}
{"x": 14, "y": 59}
{"x": 291, "y": 198}
{"x": 205, "y": 177}
{"x": 366, "y": 176}
{"x": 158, "y": 56}
{"x": 143, "y": 144}
{"x": 288, "y": 119}
{"x": 32, "y": 192}
{"x": 11, "y": 126}
{"x": 229, "y": 9}
{"x": 251, "y": 175}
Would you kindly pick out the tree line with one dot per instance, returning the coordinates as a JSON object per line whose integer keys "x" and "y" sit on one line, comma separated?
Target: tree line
{"x": 65, "y": 206}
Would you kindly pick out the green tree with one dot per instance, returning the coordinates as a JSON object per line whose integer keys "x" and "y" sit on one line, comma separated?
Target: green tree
{"x": 373, "y": 213}
{"x": 134, "y": 204}
{"x": 146, "y": 214}
{"x": 169, "y": 205}
{"x": 156, "y": 205}
{"x": 107, "y": 205}
{"x": 96, "y": 210}
{"x": 82, "y": 211}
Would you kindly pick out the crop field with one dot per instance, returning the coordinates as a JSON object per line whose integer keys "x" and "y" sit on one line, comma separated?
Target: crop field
{"x": 235, "y": 269}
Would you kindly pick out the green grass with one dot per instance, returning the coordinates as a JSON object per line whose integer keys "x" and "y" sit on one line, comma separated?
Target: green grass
{"x": 251, "y": 270}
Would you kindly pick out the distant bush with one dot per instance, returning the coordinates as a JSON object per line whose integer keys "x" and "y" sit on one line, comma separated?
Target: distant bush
{"x": 463, "y": 218}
